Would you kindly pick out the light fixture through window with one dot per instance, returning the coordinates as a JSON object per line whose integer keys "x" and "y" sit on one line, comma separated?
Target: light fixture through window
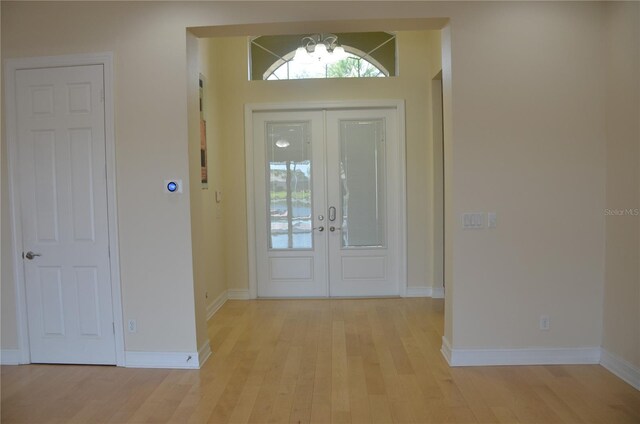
{"x": 323, "y": 48}
{"x": 282, "y": 143}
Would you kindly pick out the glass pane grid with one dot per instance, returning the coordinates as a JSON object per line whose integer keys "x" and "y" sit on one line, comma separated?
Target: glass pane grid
{"x": 289, "y": 185}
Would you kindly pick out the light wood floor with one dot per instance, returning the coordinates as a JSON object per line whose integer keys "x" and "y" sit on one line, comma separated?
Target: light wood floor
{"x": 320, "y": 361}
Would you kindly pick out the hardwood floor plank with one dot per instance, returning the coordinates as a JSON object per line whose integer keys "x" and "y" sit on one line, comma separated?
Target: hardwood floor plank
{"x": 380, "y": 409}
{"x": 302, "y": 399}
{"x": 358, "y": 397}
{"x": 340, "y": 407}
{"x": 321, "y": 399}
{"x": 319, "y": 361}
{"x": 229, "y": 398}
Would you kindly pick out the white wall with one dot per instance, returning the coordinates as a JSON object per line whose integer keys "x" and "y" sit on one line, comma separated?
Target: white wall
{"x": 527, "y": 140}
{"x": 622, "y": 279}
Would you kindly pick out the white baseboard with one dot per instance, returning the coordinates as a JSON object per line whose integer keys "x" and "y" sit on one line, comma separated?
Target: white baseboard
{"x": 438, "y": 293}
{"x": 532, "y": 356}
{"x": 446, "y": 350}
{"x": 622, "y": 368}
{"x": 238, "y": 294}
{"x": 135, "y": 359}
{"x": 10, "y": 357}
{"x": 204, "y": 353}
{"x": 213, "y": 307}
{"x": 230, "y": 294}
{"x": 434, "y": 292}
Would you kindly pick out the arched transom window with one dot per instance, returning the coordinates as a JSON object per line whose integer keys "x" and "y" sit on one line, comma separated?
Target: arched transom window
{"x": 348, "y": 55}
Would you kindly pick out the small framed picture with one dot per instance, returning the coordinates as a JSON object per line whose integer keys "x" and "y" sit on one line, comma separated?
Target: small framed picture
{"x": 204, "y": 170}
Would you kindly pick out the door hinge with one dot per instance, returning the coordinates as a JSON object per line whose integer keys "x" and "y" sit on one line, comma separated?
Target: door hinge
{"x": 113, "y": 325}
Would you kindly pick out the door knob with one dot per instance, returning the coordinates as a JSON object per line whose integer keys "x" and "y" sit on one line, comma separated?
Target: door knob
{"x": 332, "y": 228}
{"x": 30, "y": 255}
{"x": 321, "y": 229}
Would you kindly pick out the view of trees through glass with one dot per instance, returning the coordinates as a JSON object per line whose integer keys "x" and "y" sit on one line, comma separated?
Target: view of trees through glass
{"x": 350, "y": 67}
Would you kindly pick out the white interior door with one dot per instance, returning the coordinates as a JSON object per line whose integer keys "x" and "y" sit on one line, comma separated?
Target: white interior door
{"x": 326, "y": 203}
{"x": 63, "y": 204}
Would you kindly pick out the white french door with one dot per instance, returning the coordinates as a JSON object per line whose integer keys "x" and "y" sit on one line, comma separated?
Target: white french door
{"x": 362, "y": 176}
{"x": 326, "y": 197}
{"x": 63, "y": 208}
{"x": 289, "y": 198}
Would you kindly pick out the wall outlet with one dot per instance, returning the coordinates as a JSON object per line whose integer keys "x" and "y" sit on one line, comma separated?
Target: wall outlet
{"x": 544, "y": 322}
{"x": 132, "y": 326}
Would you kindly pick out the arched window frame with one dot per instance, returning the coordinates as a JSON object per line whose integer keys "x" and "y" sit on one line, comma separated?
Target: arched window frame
{"x": 374, "y": 54}
{"x": 287, "y": 58}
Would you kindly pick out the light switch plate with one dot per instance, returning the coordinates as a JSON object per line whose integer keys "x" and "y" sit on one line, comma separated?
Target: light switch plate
{"x": 492, "y": 220}
{"x": 473, "y": 220}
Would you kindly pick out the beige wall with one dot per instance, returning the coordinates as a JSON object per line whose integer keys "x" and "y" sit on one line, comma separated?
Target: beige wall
{"x": 206, "y": 214}
{"x": 435, "y": 54}
{"x": 412, "y": 85}
{"x": 9, "y": 330}
{"x": 527, "y": 140}
{"x": 199, "y": 236}
{"x": 622, "y": 279}
{"x": 447, "y": 111}
{"x": 151, "y": 145}
{"x": 436, "y": 165}
{"x": 529, "y": 144}
{"x": 214, "y": 103}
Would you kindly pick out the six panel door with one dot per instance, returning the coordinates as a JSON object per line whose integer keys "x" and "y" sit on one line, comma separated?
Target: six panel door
{"x": 63, "y": 204}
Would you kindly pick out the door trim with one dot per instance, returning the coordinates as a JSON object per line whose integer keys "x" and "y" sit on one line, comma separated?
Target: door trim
{"x": 249, "y": 110}
{"x": 11, "y": 67}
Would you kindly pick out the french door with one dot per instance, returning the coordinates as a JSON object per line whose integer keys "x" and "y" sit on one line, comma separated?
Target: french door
{"x": 326, "y": 196}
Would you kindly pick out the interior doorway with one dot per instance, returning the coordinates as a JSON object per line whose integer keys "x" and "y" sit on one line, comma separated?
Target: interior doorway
{"x": 225, "y": 212}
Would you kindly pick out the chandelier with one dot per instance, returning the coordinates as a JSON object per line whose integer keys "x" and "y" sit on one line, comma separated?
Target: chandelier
{"x": 320, "y": 48}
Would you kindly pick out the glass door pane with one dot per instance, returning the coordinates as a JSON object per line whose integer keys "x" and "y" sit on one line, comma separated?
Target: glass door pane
{"x": 362, "y": 182}
{"x": 363, "y": 186}
{"x": 289, "y": 198}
